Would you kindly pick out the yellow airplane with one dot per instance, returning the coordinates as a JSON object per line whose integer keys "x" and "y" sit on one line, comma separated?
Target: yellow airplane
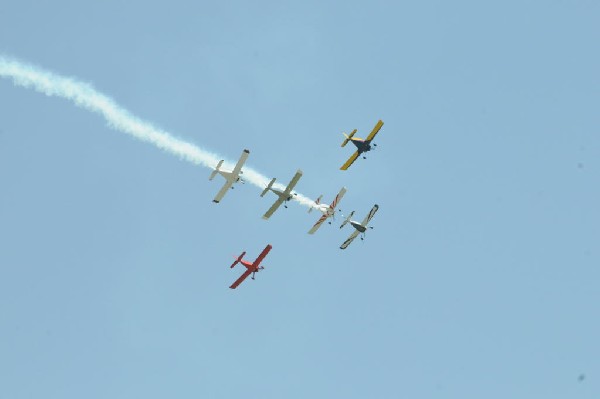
{"x": 361, "y": 145}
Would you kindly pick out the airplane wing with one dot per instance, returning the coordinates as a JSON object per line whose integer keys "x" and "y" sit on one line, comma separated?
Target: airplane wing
{"x": 374, "y": 131}
{"x": 223, "y": 191}
{"x": 273, "y": 208}
{"x": 338, "y": 197}
{"x": 240, "y": 279}
{"x": 317, "y": 225}
{"x": 238, "y": 167}
{"x": 349, "y": 240}
{"x": 368, "y": 218}
{"x": 261, "y": 256}
{"x": 350, "y": 161}
{"x": 293, "y": 182}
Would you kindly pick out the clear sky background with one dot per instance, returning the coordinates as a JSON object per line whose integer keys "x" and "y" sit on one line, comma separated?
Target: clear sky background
{"x": 480, "y": 278}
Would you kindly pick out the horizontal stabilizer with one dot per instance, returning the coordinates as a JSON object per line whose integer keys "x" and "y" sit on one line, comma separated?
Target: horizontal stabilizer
{"x": 266, "y": 190}
{"x": 347, "y": 219}
{"x": 214, "y": 172}
{"x": 317, "y": 202}
{"x": 348, "y": 137}
{"x": 238, "y": 260}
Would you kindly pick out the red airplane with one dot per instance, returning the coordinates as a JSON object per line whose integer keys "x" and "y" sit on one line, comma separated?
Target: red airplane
{"x": 253, "y": 267}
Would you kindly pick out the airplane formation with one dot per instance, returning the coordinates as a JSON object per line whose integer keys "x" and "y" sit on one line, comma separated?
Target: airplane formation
{"x": 283, "y": 196}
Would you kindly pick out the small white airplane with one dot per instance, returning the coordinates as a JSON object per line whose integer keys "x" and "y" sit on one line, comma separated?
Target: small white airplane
{"x": 360, "y": 228}
{"x": 328, "y": 211}
{"x": 231, "y": 177}
{"x": 284, "y": 195}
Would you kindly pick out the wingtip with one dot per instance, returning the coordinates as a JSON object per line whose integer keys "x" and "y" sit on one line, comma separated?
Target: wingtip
{"x": 215, "y": 201}
{"x": 247, "y": 151}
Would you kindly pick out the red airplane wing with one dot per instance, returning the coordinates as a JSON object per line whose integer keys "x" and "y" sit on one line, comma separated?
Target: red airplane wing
{"x": 261, "y": 256}
{"x": 242, "y": 278}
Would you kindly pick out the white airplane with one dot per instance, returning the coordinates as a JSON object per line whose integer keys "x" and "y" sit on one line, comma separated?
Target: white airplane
{"x": 360, "y": 228}
{"x": 231, "y": 177}
{"x": 284, "y": 196}
{"x": 328, "y": 211}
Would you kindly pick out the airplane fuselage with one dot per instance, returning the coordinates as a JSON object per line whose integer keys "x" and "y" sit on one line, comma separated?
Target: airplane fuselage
{"x": 229, "y": 175}
{"x": 281, "y": 194}
{"x": 250, "y": 266}
{"x": 362, "y": 145}
{"x": 325, "y": 209}
{"x": 358, "y": 226}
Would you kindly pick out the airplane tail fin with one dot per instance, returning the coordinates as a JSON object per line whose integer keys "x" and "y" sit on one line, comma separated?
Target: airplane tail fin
{"x": 238, "y": 260}
{"x": 347, "y": 219}
{"x": 266, "y": 190}
{"x": 317, "y": 202}
{"x": 348, "y": 137}
{"x": 214, "y": 172}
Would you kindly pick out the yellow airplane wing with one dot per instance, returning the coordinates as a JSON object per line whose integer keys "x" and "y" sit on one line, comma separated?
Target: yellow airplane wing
{"x": 375, "y": 130}
{"x": 350, "y": 161}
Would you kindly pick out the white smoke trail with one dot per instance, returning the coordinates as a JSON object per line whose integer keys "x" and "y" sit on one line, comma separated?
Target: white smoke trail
{"x": 85, "y": 96}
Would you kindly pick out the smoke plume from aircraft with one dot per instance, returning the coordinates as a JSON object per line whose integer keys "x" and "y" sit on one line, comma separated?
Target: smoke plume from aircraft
{"x": 85, "y": 96}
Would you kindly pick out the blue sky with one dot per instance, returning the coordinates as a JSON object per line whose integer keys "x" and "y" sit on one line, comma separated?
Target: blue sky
{"x": 480, "y": 278}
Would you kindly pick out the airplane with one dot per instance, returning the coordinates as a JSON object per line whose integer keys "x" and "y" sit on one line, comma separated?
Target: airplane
{"x": 361, "y": 145}
{"x": 328, "y": 211}
{"x": 231, "y": 177}
{"x": 252, "y": 268}
{"x": 284, "y": 196}
{"x": 360, "y": 228}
